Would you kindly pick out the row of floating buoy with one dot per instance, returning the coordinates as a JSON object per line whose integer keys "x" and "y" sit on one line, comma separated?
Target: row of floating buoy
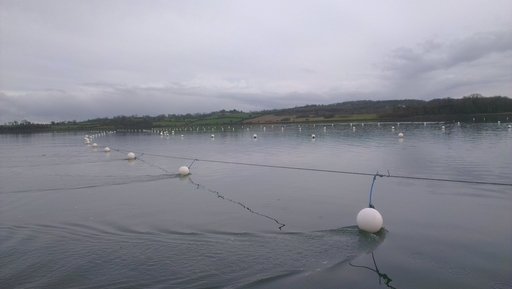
{"x": 166, "y": 133}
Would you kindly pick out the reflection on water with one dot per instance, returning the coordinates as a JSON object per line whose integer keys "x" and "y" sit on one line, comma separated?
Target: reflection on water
{"x": 382, "y": 276}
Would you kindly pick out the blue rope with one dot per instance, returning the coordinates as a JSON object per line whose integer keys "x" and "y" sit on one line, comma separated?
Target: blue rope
{"x": 371, "y": 189}
{"x": 371, "y": 192}
{"x": 192, "y": 163}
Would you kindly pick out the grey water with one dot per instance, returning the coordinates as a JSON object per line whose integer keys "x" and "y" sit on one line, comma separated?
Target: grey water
{"x": 276, "y": 211}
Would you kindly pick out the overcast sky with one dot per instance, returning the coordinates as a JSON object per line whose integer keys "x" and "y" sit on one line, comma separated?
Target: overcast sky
{"x": 66, "y": 60}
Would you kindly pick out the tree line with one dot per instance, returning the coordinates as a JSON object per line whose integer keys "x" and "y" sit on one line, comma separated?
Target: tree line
{"x": 471, "y": 104}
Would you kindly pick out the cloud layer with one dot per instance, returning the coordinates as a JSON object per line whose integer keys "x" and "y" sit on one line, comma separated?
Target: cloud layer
{"x": 65, "y": 60}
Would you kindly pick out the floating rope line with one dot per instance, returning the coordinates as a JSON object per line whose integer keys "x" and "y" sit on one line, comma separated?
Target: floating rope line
{"x": 329, "y": 171}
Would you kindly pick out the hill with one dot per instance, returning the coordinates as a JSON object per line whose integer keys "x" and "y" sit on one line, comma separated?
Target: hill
{"x": 446, "y": 109}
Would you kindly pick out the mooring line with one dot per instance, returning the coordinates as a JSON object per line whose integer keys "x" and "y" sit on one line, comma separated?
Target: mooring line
{"x": 329, "y": 171}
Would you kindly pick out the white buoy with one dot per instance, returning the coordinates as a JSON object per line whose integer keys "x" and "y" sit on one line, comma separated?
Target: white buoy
{"x": 354, "y": 128}
{"x": 94, "y": 144}
{"x": 313, "y": 136}
{"x": 443, "y": 128}
{"x": 184, "y": 170}
{"x": 509, "y": 126}
{"x": 107, "y": 149}
{"x": 212, "y": 136}
{"x": 254, "y": 136}
{"x": 130, "y": 156}
{"x": 369, "y": 220}
{"x": 401, "y": 135}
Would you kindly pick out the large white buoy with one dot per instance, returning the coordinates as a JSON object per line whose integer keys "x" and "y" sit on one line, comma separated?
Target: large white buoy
{"x": 313, "y": 136}
{"x": 94, "y": 144}
{"x": 369, "y": 220}
{"x": 212, "y": 136}
{"x": 400, "y": 135}
{"x": 107, "y": 149}
{"x": 184, "y": 170}
{"x": 130, "y": 156}
{"x": 254, "y": 136}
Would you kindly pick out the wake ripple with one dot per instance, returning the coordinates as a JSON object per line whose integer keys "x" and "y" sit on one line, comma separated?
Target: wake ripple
{"x": 85, "y": 256}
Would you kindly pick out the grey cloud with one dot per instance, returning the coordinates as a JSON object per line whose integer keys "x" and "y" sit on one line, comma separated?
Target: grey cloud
{"x": 430, "y": 56}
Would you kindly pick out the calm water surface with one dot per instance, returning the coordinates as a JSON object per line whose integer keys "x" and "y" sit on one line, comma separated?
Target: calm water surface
{"x": 73, "y": 216}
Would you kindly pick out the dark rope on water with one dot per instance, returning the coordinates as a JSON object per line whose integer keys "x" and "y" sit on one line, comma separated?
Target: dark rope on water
{"x": 199, "y": 186}
{"x": 328, "y": 171}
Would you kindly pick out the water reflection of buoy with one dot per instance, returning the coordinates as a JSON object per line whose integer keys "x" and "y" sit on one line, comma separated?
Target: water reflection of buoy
{"x": 130, "y": 156}
{"x": 107, "y": 149}
{"x": 401, "y": 135}
{"x": 184, "y": 171}
{"x": 369, "y": 220}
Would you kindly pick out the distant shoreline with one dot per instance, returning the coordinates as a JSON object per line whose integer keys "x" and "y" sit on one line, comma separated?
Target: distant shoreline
{"x": 67, "y": 127}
